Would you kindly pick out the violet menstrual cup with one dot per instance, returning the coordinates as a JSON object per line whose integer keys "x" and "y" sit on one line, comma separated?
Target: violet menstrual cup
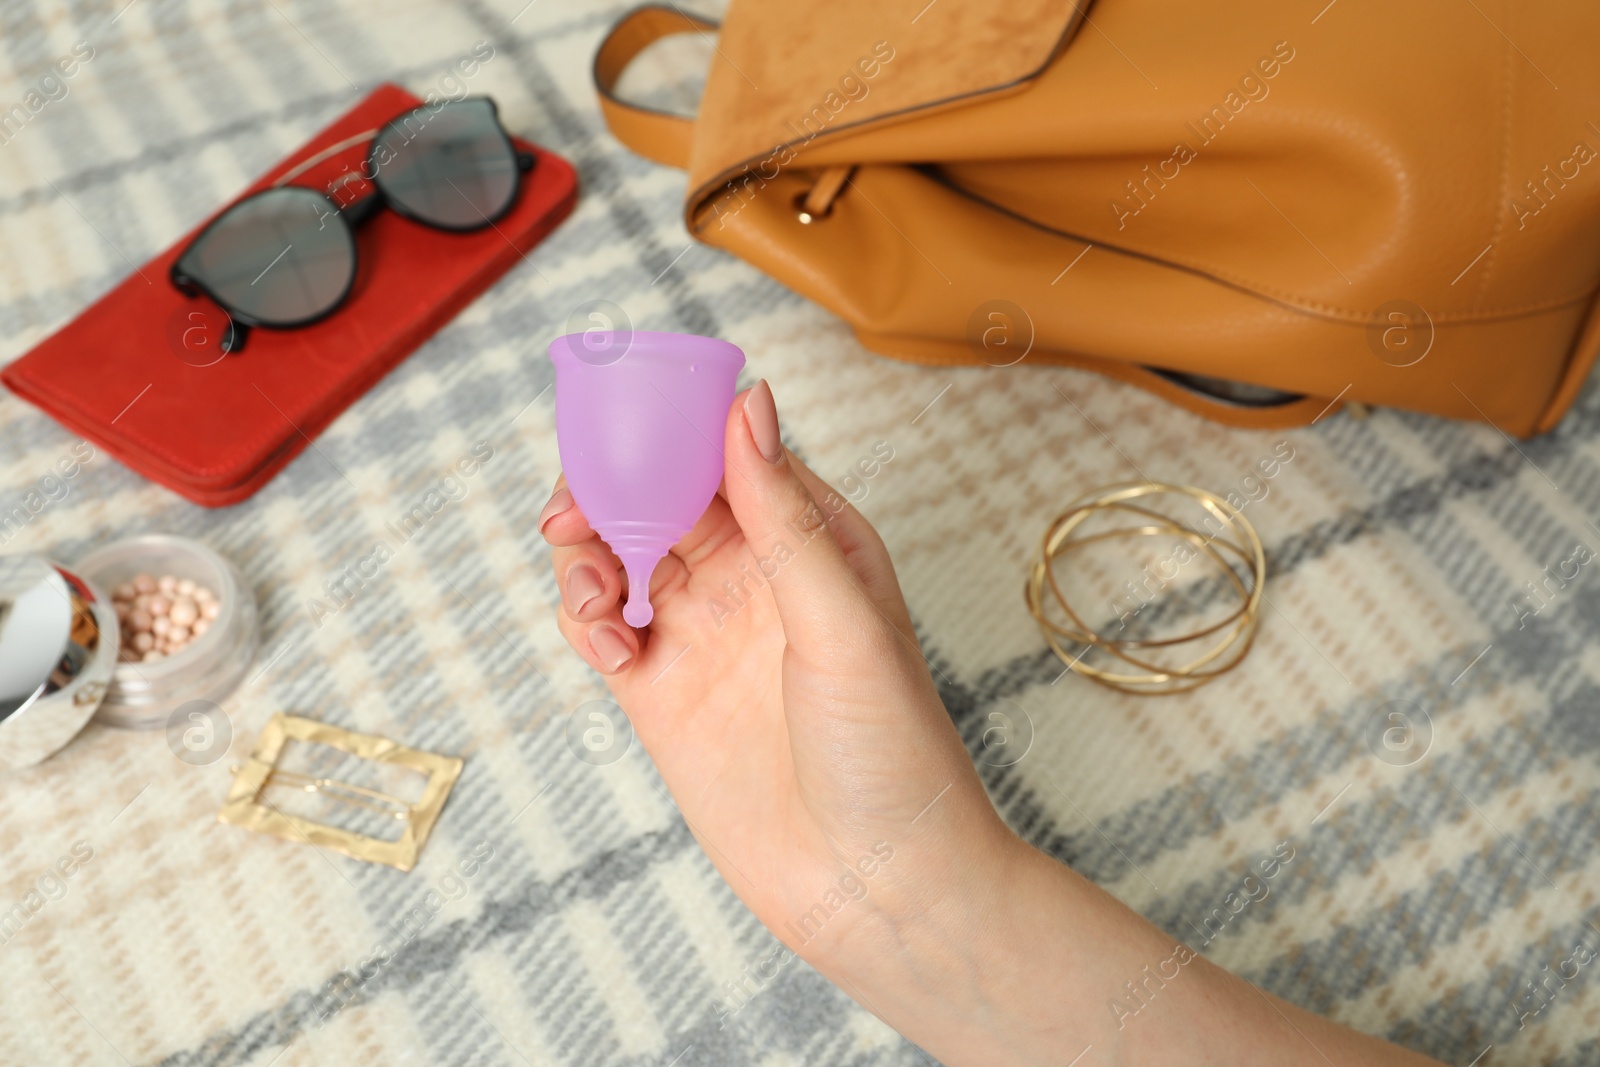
{"x": 639, "y": 424}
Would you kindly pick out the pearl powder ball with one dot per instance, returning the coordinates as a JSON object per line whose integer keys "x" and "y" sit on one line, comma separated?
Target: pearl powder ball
{"x": 160, "y": 615}
{"x": 183, "y": 612}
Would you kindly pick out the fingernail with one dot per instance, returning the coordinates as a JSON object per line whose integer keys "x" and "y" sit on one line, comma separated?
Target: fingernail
{"x": 560, "y": 501}
{"x": 583, "y": 585}
{"x": 761, "y": 415}
{"x": 611, "y": 647}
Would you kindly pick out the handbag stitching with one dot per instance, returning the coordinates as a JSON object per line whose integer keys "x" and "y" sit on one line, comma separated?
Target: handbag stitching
{"x": 1282, "y": 299}
{"x": 1505, "y": 171}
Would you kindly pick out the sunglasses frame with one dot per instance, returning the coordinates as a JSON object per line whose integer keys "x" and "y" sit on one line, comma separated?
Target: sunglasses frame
{"x": 350, "y": 216}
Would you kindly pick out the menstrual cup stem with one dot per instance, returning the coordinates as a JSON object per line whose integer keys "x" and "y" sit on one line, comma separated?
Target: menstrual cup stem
{"x": 640, "y": 563}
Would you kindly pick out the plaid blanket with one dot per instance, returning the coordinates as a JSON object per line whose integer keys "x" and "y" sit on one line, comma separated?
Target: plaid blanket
{"x": 1440, "y": 891}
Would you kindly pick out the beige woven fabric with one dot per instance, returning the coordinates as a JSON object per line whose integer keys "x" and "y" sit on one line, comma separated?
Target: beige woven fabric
{"x": 1419, "y": 901}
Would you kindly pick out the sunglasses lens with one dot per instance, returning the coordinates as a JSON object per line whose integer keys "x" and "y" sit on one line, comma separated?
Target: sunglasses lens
{"x": 278, "y": 258}
{"x": 453, "y": 168}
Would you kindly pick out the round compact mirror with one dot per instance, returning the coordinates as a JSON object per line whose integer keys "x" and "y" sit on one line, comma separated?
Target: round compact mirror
{"x": 58, "y": 648}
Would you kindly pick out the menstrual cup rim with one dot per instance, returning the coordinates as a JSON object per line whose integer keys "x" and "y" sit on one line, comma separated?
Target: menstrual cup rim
{"x": 657, "y": 343}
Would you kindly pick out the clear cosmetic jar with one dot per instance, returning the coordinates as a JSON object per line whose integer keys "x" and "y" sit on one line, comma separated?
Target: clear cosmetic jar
{"x": 144, "y": 693}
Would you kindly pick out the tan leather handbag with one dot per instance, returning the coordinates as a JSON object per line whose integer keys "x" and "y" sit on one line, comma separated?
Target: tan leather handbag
{"x": 1392, "y": 203}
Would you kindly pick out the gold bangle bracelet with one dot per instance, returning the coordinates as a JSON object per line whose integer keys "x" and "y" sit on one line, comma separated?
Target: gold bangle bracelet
{"x": 1232, "y": 635}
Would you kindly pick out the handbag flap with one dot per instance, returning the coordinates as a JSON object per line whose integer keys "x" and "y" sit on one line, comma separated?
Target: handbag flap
{"x": 785, "y": 75}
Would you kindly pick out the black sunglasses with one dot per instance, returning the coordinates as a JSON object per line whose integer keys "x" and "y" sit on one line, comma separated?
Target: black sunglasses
{"x": 286, "y": 256}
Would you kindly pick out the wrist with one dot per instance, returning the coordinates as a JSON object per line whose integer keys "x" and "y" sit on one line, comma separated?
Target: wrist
{"x": 953, "y": 950}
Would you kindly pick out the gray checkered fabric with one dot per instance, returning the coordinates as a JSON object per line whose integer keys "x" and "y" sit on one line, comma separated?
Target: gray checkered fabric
{"x": 562, "y": 913}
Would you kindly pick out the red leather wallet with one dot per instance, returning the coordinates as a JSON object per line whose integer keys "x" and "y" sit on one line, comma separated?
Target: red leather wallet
{"x": 215, "y": 429}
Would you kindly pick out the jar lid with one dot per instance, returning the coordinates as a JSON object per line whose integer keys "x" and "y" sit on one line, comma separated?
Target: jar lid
{"x": 58, "y": 648}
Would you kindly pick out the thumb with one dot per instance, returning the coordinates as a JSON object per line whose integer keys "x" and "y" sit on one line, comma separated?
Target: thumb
{"x": 821, "y": 602}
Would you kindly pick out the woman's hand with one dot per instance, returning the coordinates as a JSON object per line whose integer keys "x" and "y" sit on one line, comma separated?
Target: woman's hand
{"x": 783, "y": 696}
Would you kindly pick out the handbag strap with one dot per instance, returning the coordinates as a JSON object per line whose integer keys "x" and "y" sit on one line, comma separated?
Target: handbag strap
{"x": 658, "y": 135}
